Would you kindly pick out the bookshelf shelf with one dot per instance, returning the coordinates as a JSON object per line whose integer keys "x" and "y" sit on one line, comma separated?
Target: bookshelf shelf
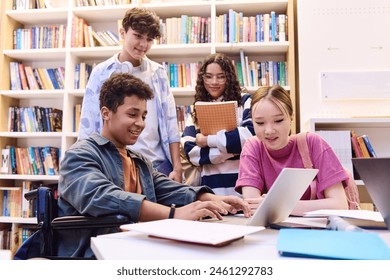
{"x": 29, "y": 177}
{"x": 31, "y": 134}
{"x": 37, "y": 54}
{"x": 29, "y": 94}
{"x": 16, "y": 220}
{"x": 171, "y": 9}
{"x": 39, "y": 16}
{"x": 94, "y": 53}
{"x": 279, "y": 6}
{"x": 103, "y": 13}
{"x": 104, "y": 18}
{"x": 181, "y": 50}
{"x": 253, "y": 48}
{"x": 378, "y": 130}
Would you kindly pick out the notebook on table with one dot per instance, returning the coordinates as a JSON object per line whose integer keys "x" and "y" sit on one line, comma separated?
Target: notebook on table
{"x": 375, "y": 173}
{"x": 281, "y": 199}
{"x": 331, "y": 244}
{"x": 212, "y": 234}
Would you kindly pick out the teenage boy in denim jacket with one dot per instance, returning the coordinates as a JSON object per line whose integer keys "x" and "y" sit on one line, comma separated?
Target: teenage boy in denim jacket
{"x": 100, "y": 175}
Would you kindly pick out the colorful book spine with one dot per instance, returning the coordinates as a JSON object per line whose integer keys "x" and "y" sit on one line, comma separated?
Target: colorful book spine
{"x": 363, "y": 146}
{"x": 370, "y": 149}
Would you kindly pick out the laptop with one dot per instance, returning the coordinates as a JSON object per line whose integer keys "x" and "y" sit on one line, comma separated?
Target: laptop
{"x": 375, "y": 173}
{"x": 281, "y": 199}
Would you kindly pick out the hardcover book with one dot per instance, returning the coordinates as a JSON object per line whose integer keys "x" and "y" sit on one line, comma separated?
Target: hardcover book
{"x": 215, "y": 116}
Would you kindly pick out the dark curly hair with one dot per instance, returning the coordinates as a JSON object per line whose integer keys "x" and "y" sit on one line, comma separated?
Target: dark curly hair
{"x": 121, "y": 85}
{"x": 142, "y": 20}
{"x": 233, "y": 89}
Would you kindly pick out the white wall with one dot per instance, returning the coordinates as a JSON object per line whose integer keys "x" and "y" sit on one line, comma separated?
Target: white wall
{"x": 351, "y": 36}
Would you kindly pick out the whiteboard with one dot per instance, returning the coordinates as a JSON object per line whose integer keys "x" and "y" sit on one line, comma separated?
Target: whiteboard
{"x": 355, "y": 85}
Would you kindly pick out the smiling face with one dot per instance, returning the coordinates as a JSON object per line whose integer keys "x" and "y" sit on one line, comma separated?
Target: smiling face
{"x": 214, "y": 80}
{"x": 135, "y": 46}
{"x": 271, "y": 123}
{"x": 125, "y": 125}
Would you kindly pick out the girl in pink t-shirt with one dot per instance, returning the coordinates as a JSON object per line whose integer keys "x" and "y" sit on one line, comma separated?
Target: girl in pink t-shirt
{"x": 266, "y": 154}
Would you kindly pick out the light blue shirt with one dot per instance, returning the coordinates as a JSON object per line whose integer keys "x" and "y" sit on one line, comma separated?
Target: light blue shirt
{"x": 163, "y": 104}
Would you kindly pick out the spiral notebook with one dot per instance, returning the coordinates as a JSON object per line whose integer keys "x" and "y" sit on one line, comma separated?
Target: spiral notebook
{"x": 216, "y": 116}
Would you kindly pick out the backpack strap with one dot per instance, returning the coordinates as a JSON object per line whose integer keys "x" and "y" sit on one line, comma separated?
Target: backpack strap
{"x": 303, "y": 149}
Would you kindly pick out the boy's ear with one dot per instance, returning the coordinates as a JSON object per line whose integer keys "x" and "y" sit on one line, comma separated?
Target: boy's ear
{"x": 105, "y": 113}
{"x": 122, "y": 32}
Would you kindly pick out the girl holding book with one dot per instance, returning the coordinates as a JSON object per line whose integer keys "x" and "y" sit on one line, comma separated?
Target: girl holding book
{"x": 218, "y": 154}
{"x": 273, "y": 148}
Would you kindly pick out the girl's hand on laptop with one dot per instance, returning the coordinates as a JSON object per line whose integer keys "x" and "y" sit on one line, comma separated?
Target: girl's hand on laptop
{"x": 254, "y": 203}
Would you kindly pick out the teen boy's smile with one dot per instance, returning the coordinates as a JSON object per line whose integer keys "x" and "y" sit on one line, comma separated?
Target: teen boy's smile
{"x": 126, "y": 124}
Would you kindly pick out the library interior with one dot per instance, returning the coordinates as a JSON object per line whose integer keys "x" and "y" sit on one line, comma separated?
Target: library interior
{"x": 317, "y": 51}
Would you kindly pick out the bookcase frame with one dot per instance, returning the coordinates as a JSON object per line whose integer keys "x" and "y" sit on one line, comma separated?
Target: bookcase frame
{"x": 375, "y": 128}
{"x": 67, "y": 57}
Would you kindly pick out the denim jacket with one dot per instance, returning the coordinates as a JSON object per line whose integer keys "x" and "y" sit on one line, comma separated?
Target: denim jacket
{"x": 91, "y": 121}
{"x": 92, "y": 183}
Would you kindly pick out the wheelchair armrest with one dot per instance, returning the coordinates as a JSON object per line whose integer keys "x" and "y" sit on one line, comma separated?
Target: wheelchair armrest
{"x": 80, "y": 222}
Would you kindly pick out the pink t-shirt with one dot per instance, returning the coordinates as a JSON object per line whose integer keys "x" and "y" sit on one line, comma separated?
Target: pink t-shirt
{"x": 260, "y": 167}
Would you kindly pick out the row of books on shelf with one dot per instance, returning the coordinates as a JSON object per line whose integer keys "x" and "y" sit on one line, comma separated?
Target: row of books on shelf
{"x": 76, "y": 119}
{"x": 12, "y": 238}
{"x": 185, "y": 30}
{"x": 362, "y": 146}
{"x": 260, "y": 73}
{"x": 82, "y": 72}
{"x": 47, "y": 4}
{"x": 182, "y": 74}
{"x": 83, "y": 35}
{"x": 346, "y": 144}
{"x": 30, "y": 160}
{"x": 182, "y": 113}
{"x": 249, "y": 73}
{"x": 40, "y": 37}
{"x": 34, "y": 119}
{"x": 31, "y": 4}
{"x": 13, "y": 202}
{"x": 234, "y": 27}
{"x": 91, "y": 3}
{"x": 24, "y": 77}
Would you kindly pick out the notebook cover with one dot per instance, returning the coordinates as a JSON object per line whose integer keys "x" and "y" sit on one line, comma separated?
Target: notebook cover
{"x": 195, "y": 232}
{"x": 329, "y": 244}
{"x": 215, "y": 116}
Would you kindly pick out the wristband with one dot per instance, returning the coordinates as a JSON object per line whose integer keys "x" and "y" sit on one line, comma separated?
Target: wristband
{"x": 172, "y": 211}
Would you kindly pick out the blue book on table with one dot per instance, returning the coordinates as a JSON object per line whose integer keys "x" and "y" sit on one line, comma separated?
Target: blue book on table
{"x": 330, "y": 244}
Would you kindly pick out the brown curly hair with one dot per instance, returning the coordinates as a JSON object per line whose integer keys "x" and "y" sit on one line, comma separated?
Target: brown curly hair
{"x": 121, "y": 85}
{"x": 142, "y": 20}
